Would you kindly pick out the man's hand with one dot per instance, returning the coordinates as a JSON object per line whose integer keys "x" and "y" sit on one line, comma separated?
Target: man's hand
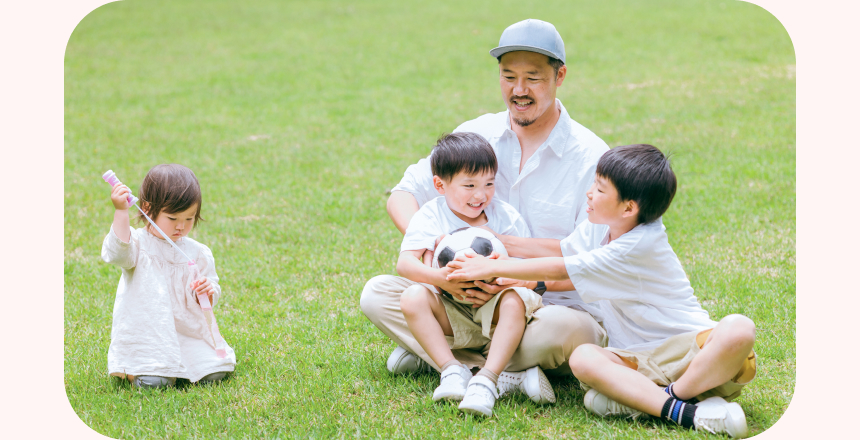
{"x": 203, "y": 285}
{"x": 460, "y": 289}
{"x": 427, "y": 257}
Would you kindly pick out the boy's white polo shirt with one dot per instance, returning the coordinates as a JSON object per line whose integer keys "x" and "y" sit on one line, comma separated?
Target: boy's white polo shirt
{"x": 549, "y": 193}
{"x": 436, "y": 218}
{"x": 638, "y": 281}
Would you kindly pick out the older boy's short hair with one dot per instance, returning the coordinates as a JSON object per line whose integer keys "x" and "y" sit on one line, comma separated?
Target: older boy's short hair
{"x": 462, "y": 152}
{"x": 641, "y": 173}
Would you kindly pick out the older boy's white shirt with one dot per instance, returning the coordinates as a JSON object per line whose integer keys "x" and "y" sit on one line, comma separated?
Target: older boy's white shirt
{"x": 638, "y": 281}
{"x": 549, "y": 193}
{"x": 436, "y": 218}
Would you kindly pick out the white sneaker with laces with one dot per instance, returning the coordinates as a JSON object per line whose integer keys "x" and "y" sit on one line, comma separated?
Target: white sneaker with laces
{"x": 717, "y": 416}
{"x": 480, "y": 397}
{"x": 604, "y": 406}
{"x": 532, "y": 382}
{"x": 401, "y": 361}
{"x": 453, "y": 384}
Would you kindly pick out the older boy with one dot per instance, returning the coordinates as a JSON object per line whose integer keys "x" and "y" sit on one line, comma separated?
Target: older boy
{"x": 464, "y": 169}
{"x": 665, "y": 352}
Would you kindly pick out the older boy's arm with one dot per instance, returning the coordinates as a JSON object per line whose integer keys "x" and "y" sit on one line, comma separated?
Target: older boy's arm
{"x": 530, "y": 247}
{"x": 410, "y": 266}
{"x": 476, "y": 267}
{"x": 401, "y": 206}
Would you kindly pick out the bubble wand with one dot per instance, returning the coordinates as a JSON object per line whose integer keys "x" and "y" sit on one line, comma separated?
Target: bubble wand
{"x": 110, "y": 177}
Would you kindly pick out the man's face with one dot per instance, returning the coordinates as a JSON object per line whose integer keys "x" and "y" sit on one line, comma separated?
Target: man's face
{"x": 528, "y": 86}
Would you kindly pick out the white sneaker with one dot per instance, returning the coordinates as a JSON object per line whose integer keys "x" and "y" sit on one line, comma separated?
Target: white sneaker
{"x": 401, "y": 361}
{"x": 532, "y": 383}
{"x": 717, "y": 416}
{"x": 480, "y": 397}
{"x": 453, "y": 384}
{"x": 605, "y": 407}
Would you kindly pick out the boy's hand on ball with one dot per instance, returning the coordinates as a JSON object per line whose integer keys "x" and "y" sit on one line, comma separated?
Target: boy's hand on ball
{"x": 453, "y": 287}
{"x": 119, "y": 196}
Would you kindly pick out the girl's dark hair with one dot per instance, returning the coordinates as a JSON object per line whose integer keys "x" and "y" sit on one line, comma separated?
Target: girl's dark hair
{"x": 170, "y": 188}
{"x": 643, "y": 174}
{"x": 462, "y": 152}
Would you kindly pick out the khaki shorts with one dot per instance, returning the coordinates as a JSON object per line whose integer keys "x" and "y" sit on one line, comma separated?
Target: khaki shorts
{"x": 473, "y": 327}
{"x": 668, "y": 362}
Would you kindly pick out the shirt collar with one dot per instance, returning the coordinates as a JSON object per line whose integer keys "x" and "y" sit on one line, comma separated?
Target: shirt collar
{"x": 557, "y": 137}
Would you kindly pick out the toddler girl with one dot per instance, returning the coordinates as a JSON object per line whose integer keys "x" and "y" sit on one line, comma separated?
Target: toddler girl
{"x": 159, "y": 330}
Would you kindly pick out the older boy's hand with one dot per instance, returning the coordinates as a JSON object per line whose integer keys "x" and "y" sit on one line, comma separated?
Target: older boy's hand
{"x": 470, "y": 266}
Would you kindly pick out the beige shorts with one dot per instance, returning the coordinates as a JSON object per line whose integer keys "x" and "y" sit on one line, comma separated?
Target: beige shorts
{"x": 668, "y": 362}
{"x": 473, "y": 327}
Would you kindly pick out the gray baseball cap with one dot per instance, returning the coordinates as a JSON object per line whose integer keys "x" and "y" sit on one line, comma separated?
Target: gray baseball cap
{"x": 533, "y": 36}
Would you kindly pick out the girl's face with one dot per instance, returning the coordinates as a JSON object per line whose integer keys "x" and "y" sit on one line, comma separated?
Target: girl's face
{"x": 176, "y": 224}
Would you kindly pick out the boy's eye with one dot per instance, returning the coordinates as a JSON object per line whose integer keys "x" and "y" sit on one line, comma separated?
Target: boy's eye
{"x": 171, "y": 218}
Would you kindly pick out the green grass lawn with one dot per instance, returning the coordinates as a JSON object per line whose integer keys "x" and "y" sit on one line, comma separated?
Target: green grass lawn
{"x": 297, "y": 117}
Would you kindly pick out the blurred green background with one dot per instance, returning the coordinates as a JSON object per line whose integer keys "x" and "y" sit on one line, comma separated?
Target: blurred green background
{"x": 297, "y": 117}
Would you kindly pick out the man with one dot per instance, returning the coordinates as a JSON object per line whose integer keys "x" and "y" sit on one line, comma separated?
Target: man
{"x": 546, "y": 165}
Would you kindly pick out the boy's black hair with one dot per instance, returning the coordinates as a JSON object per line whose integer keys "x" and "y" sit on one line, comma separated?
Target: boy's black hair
{"x": 462, "y": 152}
{"x": 641, "y": 173}
{"x": 170, "y": 188}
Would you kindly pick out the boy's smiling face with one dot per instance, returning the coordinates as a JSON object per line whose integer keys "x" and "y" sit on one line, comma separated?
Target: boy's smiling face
{"x": 604, "y": 205}
{"x": 467, "y": 195}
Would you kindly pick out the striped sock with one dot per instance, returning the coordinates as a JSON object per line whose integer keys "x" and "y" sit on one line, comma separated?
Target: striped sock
{"x": 679, "y": 412}
{"x": 670, "y": 390}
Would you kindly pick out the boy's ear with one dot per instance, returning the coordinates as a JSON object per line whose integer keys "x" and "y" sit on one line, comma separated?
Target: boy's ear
{"x": 439, "y": 185}
{"x": 631, "y": 209}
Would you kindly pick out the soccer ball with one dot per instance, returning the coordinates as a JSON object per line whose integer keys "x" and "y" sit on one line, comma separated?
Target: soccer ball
{"x": 482, "y": 241}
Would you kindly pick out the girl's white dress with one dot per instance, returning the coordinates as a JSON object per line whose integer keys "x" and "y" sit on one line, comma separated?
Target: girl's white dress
{"x": 158, "y": 327}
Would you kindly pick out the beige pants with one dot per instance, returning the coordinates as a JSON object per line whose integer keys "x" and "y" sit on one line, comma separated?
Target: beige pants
{"x": 548, "y": 341}
{"x": 669, "y": 361}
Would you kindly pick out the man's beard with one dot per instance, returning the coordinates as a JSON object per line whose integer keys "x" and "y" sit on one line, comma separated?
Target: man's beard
{"x": 524, "y": 122}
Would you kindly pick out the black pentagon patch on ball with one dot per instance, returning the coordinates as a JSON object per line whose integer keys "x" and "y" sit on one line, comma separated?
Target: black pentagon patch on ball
{"x": 482, "y": 246}
{"x": 445, "y": 256}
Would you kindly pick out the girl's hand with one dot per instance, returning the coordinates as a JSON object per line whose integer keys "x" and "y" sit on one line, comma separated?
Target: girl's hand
{"x": 119, "y": 196}
{"x": 203, "y": 286}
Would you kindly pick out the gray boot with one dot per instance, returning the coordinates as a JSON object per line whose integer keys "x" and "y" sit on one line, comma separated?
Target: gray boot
{"x": 213, "y": 377}
{"x": 153, "y": 382}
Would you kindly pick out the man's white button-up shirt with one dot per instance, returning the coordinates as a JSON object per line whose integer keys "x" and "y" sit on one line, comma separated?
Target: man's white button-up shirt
{"x": 550, "y": 190}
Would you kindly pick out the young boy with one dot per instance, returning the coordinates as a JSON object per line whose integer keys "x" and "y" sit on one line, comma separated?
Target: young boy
{"x": 464, "y": 168}
{"x": 666, "y": 353}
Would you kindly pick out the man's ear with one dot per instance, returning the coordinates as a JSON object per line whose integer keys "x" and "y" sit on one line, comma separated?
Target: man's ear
{"x": 559, "y": 78}
{"x": 439, "y": 185}
{"x": 631, "y": 209}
